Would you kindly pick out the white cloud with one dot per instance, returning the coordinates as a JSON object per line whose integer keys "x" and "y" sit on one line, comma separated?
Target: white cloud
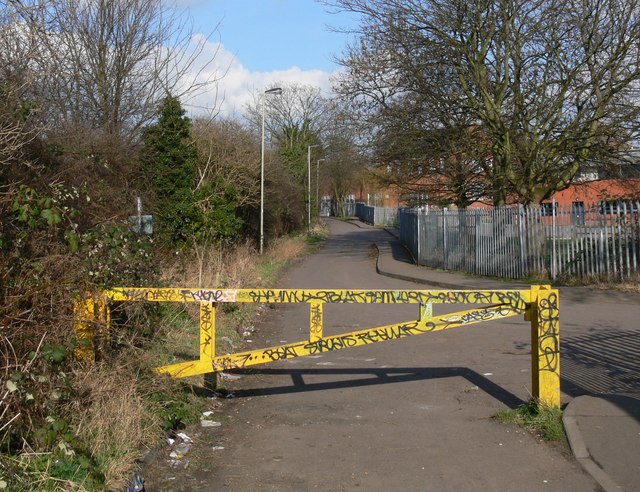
{"x": 233, "y": 85}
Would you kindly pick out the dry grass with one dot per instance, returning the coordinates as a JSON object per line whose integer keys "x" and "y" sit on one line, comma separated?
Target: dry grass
{"x": 114, "y": 420}
{"x": 240, "y": 267}
{"x": 111, "y": 422}
{"x": 287, "y": 248}
{"x": 210, "y": 266}
{"x": 630, "y": 285}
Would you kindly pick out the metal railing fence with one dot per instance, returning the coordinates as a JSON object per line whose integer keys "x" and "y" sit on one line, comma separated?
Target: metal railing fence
{"x": 596, "y": 241}
{"x": 377, "y": 216}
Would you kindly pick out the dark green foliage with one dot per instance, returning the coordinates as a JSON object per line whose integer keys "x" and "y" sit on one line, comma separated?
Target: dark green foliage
{"x": 172, "y": 158}
{"x": 33, "y": 211}
{"x": 77, "y": 468}
{"x": 168, "y": 162}
{"x": 185, "y": 211}
{"x": 218, "y": 205}
{"x": 295, "y": 153}
{"x": 55, "y": 354}
{"x": 294, "y": 148}
{"x": 52, "y": 431}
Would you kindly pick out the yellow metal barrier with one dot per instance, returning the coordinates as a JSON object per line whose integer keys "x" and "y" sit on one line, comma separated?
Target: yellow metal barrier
{"x": 539, "y": 304}
{"x": 92, "y": 318}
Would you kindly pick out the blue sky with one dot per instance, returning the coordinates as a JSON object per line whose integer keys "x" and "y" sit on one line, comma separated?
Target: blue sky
{"x": 262, "y": 42}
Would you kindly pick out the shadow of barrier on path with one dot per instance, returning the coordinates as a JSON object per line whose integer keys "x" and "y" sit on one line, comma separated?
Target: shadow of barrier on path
{"x": 373, "y": 377}
{"x": 539, "y": 304}
{"x": 606, "y": 364}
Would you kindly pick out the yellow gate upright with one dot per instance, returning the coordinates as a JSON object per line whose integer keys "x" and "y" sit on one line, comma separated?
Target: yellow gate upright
{"x": 539, "y": 304}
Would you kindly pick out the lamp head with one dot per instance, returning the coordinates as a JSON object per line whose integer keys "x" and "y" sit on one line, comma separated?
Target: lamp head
{"x": 274, "y": 90}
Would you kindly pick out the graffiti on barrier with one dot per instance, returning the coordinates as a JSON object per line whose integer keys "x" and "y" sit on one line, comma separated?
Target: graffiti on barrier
{"x": 548, "y": 337}
{"x": 315, "y": 328}
{"x": 511, "y": 298}
{"x": 207, "y": 327}
{"x": 497, "y": 304}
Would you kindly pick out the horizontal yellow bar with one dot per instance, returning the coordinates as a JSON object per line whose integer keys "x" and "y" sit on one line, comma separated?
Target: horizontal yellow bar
{"x": 515, "y": 298}
{"x": 185, "y": 369}
{"x": 345, "y": 340}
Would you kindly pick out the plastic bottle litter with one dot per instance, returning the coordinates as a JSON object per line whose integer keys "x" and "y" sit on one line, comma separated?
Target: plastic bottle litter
{"x": 229, "y": 377}
{"x": 179, "y": 463}
{"x": 180, "y": 450}
{"x": 137, "y": 485}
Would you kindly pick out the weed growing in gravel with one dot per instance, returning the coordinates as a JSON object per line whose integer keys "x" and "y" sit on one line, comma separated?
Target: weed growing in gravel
{"x": 543, "y": 420}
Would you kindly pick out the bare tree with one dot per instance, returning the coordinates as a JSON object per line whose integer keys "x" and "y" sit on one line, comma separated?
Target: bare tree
{"x": 19, "y": 121}
{"x": 228, "y": 151}
{"x": 294, "y": 120}
{"x": 429, "y": 157}
{"x": 422, "y": 147}
{"x": 552, "y": 84}
{"x": 344, "y": 167}
{"x": 106, "y": 64}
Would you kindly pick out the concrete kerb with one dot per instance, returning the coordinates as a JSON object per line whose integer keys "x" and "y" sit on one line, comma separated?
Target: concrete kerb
{"x": 581, "y": 452}
{"x": 384, "y": 253}
{"x": 382, "y": 269}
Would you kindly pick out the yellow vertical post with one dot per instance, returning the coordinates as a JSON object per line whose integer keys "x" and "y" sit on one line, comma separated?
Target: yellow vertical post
{"x": 316, "y": 321}
{"x": 83, "y": 319}
{"x": 91, "y": 322}
{"x": 545, "y": 344}
{"x": 207, "y": 331}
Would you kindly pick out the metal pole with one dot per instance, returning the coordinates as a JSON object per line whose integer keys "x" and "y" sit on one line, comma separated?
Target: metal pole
{"x": 419, "y": 236}
{"x": 309, "y": 186}
{"x": 139, "y": 207}
{"x": 262, "y": 180}
{"x": 554, "y": 271}
{"x": 318, "y": 184}
{"x": 274, "y": 90}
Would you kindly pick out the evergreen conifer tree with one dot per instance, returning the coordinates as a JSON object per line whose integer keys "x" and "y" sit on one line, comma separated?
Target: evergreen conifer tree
{"x": 169, "y": 162}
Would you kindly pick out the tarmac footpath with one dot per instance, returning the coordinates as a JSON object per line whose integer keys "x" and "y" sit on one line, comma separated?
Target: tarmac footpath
{"x": 603, "y": 429}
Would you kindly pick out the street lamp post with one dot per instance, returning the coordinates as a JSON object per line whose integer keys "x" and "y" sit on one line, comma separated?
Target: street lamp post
{"x": 275, "y": 90}
{"x": 318, "y": 184}
{"x": 309, "y": 186}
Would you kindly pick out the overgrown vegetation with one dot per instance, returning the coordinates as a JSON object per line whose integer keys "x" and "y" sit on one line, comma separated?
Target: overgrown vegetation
{"x": 544, "y": 421}
{"x": 76, "y": 426}
{"x": 72, "y": 169}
